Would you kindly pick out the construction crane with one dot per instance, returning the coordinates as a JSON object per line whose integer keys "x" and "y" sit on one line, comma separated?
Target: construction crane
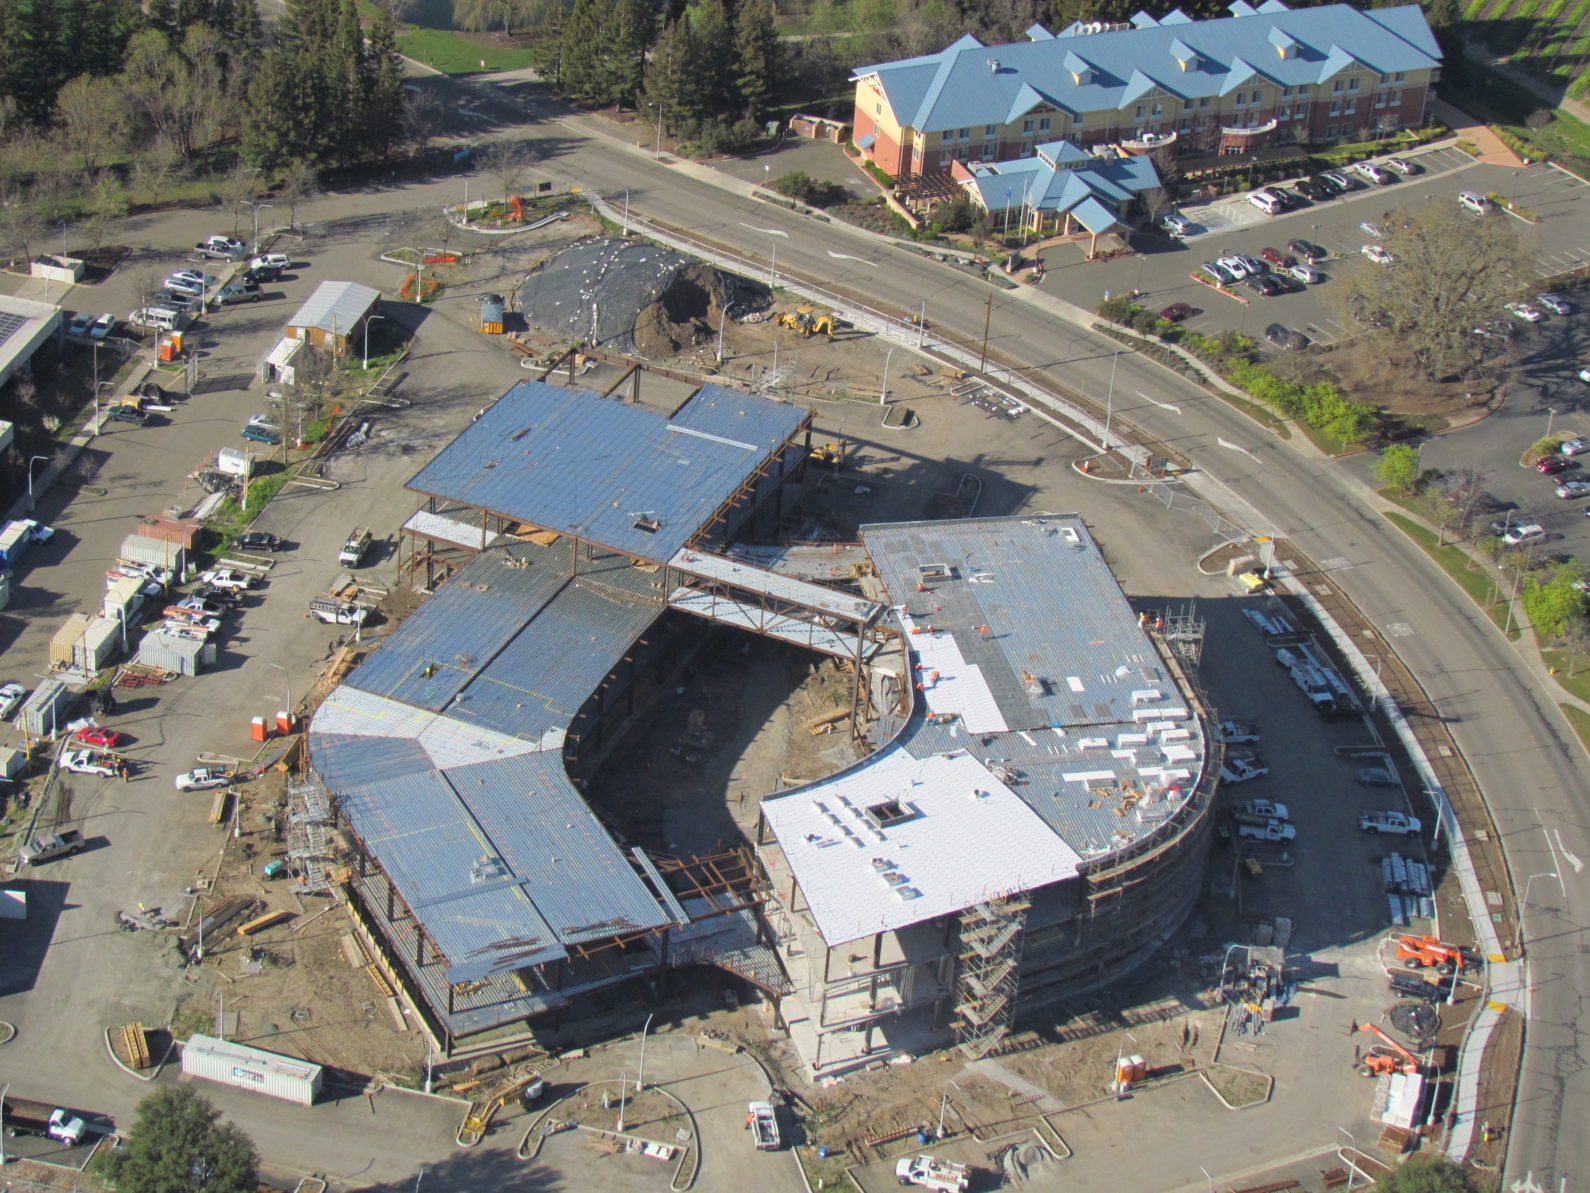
{"x": 1391, "y": 1058}
{"x": 1428, "y": 951}
{"x": 478, "y": 1121}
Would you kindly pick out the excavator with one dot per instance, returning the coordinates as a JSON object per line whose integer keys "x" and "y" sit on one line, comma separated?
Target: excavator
{"x": 1387, "y": 1057}
{"x": 1418, "y": 952}
{"x": 477, "y": 1122}
{"x": 807, "y": 321}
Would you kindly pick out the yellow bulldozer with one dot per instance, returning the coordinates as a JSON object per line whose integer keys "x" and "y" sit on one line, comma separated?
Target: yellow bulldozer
{"x": 807, "y": 321}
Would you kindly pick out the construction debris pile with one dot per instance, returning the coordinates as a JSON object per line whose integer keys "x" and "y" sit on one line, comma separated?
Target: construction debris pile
{"x": 630, "y": 296}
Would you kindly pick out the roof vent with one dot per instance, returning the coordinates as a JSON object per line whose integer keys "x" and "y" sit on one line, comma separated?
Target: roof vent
{"x": 888, "y": 814}
{"x": 993, "y": 66}
{"x": 487, "y": 869}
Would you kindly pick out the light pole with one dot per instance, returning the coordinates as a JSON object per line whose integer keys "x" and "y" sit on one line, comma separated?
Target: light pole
{"x": 254, "y": 244}
{"x": 46, "y": 459}
{"x": 287, "y": 684}
{"x": 1109, "y": 402}
{"x": 883, "y": 394}
{"x": 722, "y": 314}
{"x": 1551, "y": 416}
{"x": 626, "y": 211}
{"x": 640, "y": 1073}
{"x": 368, "y": 319}
{"x": 943, "y": 1103}
{"x": 99, "y": 385}
{"x": 1523, "y": 903}
{"x": 4, "y": 1090}
{"x": 1208, "y": 1178}
{"x": 657, "y": 107}
{"x": 623, "y": 1094}
{"x": 1508, "y": 628}
{"x": 1352, "y": 1164}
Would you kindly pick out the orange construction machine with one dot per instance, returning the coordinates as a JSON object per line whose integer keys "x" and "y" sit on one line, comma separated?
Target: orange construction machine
{"x": 1387, "y": 1057}
{"x": 1427, "y": 951}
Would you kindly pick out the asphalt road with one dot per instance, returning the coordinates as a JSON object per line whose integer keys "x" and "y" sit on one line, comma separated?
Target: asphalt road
{"x": 1518, "y": 745}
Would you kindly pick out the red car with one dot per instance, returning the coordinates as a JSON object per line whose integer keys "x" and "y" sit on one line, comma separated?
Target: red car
{"x": 1176, "y": 312}
{"x": 94, "y": 736}
{"x": 1277, "y": 258}
{"x": 1551, "y": 464}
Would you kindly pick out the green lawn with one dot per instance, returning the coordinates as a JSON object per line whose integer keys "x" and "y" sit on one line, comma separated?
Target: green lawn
{"x": 451, "y": 54}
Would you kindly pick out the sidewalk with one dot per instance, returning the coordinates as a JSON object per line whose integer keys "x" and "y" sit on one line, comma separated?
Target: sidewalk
{"x": 1492, "y": 150}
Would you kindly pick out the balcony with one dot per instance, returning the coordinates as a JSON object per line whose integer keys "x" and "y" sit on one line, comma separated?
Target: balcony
{"x": 1268, "y": 126}
{"x": 1149, "y": 142}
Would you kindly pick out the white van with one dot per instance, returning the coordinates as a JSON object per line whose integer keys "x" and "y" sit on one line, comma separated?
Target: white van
{"x": 1266, "y": 202}
{"x": 1478, "y": 204}
{"x": 159, "y": 318}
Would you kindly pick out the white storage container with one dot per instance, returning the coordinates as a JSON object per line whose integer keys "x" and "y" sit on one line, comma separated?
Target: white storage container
{"x": 254, "y": 1069}
{"x": 171, "y": 653}
{"x": 100, "y": 643}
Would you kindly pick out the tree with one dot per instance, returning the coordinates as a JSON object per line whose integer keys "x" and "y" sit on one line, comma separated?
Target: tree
{"x": 508, "y": 162}
{"x": 178, "y": 1146}
{"x": 1427, "y": 1175}
{"x": 579, "y": 61}
{"x": 1398, "y": 468}
{"x": 756, "y": 57}
{"x": 1554, "y": 603}
{"x": 1450, "y": 273}
{"x": 93, "y": 121}
{"x": 298, "y": 182}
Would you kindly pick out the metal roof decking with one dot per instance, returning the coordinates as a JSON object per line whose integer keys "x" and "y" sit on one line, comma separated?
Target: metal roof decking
{"x": 608, "y": 472}
{"x": 794, "y": 630}
{"x": 781, "y": 587}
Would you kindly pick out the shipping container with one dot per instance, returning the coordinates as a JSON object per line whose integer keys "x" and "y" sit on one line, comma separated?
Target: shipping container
{"x": 171, "y": 653}
{"x": 46, "y": 709}
{"x": 63, "y": 644}
{"x": 124, "y": 599}
{"x": 100, "y": 643}
{"x": 12, "y": 762}
{"x": 242, "y": 1067}
{"x": 491, "y": 314}
{"x": 146, "y": 548}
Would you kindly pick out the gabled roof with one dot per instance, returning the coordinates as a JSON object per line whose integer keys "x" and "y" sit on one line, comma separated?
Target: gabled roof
{"x": 956, "y": 88}
{"x": 1105, "y": 184}
{"x": 336, "y": 307}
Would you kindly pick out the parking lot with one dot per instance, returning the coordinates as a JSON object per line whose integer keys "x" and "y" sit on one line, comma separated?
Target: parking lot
{"x": 1162, "y": 267}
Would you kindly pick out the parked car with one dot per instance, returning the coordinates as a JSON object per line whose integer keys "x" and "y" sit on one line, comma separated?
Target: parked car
{"x": 227, "y": 578}
{"x": 1553, "y": 464}
{"x": 1577, "y": 487}
{"x": 93, "y": 735}
{"x": 1248, "y": 263}
{"x": 1476, "y": 203}
{"x": 1176, "y": 312}
{"x": 1332, "y": 184}
{"x": 128, "y": 414}
{"x": 1266, "y": 202}
{"x": 1377, "y": 254}
{"x": 1522, "y": 310}
{"x": 1175, "y": 223}
{"x": 1554, "y": 303}
{"x": 1306, "y": 273}
{"x": 1265, "y": 285}
{"x": 196, "y": 278}
{"x": 261, "y": 433}
{"x": 1374, "y": 173}
{"x": 1216, "y": 273}
{"x": 1237, "y": 732}
{"x": 102, "y": 326}
{"x": 175, "y": 285}
{"x": 1337, "y": 179}
{"x": 257, "y": 540}
{"x": 203, "y": 778}
{"x": 10, "y": 699}
{"x": 276, "y": 261}
{"x": 1307, "y": 248}
{"x": 1277, "y": 258}
{"x": 1403, "y": 166}
{"x": 1312, "y": 190}
{"x": 1525, "y": 532}
{"x": 79, "y": 325}
{"x": 230, "y": 597}
{"x": 201, "y": 606}
{"x": 1374, "y": 229}
{"x": 1398, "y": 824}
{"x": 1377, "y": 776}
{"x": 1235, "y": 266}
{"x": 1240, "y": 768}
{"x": 1573, "y": 447}
{"x": 1283, "y": 338}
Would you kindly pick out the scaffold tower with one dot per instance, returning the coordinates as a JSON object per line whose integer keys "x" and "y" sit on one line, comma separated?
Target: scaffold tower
{"x": 309, "y": 822}
{"x": 1183, "y": 632}
{"x": 988, "y": 973}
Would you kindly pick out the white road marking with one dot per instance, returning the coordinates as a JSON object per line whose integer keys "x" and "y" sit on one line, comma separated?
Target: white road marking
{"x": 1399, "y": 629}
{"x": 1236, "y": 447}
{"x": 1573, "y": 860}
{"x": 1161, "y": 405}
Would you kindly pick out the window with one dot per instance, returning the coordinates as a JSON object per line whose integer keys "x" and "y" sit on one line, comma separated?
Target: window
{"x": 1281, "y": 111}
{"x": 1158, "y": 111}
{"x": 964, "y": 134}
{"x": 1330, "y": 131}
{"x": 1026, "y": 126}
{"x": 945, "y": 159}
{"x": 963, "y": 154}
{"x": 1380, "y": 99}
{"x": 1352, "y": 84}
{"x": 1026, "y": 149}
{"x": 1043, "y": 125}
{"x": 1352, "y": 106}
{"x": 1076, "y": 120}
{"x": 1336, "y": 107}
{"x": 877, "y": 108}
{"x": 1203, "y": 102}
{"x": 1396, "y": 99}
{"x": 1139, "y": 113}
{"x": 1285, "y": 91}
{"x": 990, "y": 130}
{"x": 1337, "y": 87}
{"x": 1397, "y": 78}
{"x": 1384, "y": 79}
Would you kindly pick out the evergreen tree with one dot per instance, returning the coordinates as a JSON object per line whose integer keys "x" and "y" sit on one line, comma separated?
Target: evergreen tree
{"x": 712, "y": 55}
{"x": 669, "y": 89}
{"x": 178, "y": 1145}
{"x": 630, "y": 37}
{"x": 756, "y": 57}
{"x": 384, "y": 113}
{"x": 580, "y": 49}
{"x": 270, "y": 122}
{"x": 36, "y": 66}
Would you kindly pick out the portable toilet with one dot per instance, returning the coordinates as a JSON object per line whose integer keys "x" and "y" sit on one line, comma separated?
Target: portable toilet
{"x": 491, "y": 314}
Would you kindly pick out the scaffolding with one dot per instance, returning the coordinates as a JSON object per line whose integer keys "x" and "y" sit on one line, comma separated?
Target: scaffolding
{"x": 1183, "y": 632}
{"x": 989, "y": 973}
{"x": 309, "y": 833}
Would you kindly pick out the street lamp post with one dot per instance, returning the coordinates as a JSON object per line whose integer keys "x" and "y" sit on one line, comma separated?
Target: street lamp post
{"x": 1109, "y": 402}
{"x": 1524, "y": 903}
{"x": 1352, "y": 1164}
{"x": 99, "y": 385}
{"x": 640, "y": 1073}
{"x": 254, "y": 244}
{"x": 287, "y": 684}
{"x": 657, "y": 107}
{"x": 1551, "y": 416}
{"x": 623, "y": 1095}
{"x": 369, "y": 319}
{"x": 883, "y": 394}
{"x": 46, "y": 459}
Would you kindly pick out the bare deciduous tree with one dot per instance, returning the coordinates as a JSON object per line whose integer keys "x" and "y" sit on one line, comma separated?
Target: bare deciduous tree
{"x": 508, "y": 162}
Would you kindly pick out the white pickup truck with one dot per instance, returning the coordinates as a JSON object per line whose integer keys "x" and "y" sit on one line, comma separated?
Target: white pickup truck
{"x": 1240, "y": 768}
{"x": 1275, "y": 830}
{"x": 1398, "y": 824}
{"x": 925, "y": 1172}
{"x": 762, "y": 1121}
{"x": 1260, "y": 811}
{"x": 1237, "y": 732}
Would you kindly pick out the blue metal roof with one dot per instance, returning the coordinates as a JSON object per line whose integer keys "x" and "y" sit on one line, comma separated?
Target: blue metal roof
{"x": 970, "y": 84}
{"x": 1102, "y": 185}
{"x": 572, "y": 461}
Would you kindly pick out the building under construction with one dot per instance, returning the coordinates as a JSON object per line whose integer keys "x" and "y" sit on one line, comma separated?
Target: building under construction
{"x": 1034, "y": 820}
{"x": 1030, "y": 820}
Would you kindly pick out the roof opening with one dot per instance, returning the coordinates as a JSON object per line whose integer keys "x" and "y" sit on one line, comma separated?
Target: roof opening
{"x": 888, "y": 813}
